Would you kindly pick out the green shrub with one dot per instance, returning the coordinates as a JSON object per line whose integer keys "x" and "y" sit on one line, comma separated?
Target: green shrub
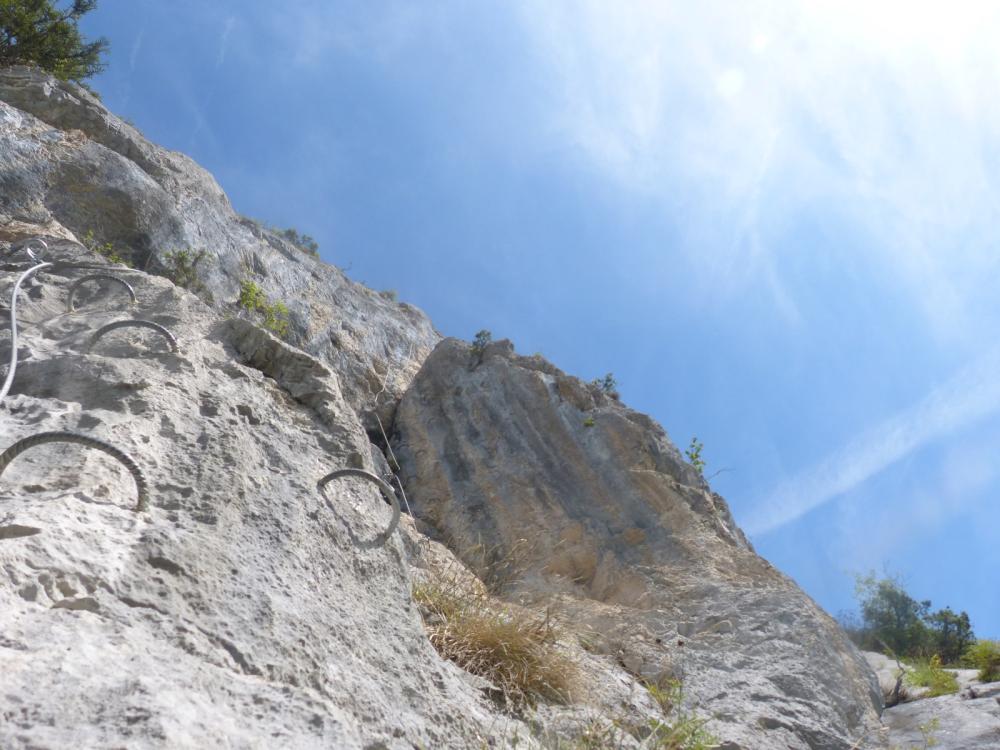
{"x": 275, "y": 314}
{"x": 589, "y": 422}
{"x": 104, "y": 249}
{"x": 303, "y": 242}
{"x": 252, "y": 297}
{"x": 984, "y": 655}
{"x": 607, "y": 384}
{"x": 930, "y": 675}
{"x": 182, "y": 269}
{"x": 693, "y": 454}
{"x": 483, "y": 339}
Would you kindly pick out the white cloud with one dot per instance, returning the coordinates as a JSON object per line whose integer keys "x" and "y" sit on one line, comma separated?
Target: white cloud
{"x": 884, "y": 113}
{"x": 969, "y": 396}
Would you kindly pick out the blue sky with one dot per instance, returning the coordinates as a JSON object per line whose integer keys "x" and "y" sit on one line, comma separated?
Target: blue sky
{"x": 775, "y": 222}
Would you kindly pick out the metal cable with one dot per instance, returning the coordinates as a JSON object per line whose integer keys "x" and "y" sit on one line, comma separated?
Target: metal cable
{"x": 37, "y": 241}
{"x": 394, "y": 467}
{"x": 93, "y": 277}
{"x": 141, "y": 486}
{"x": 384, "y": 487}
{"x": 134, "y": 324}
{"x": 12, "y": 367}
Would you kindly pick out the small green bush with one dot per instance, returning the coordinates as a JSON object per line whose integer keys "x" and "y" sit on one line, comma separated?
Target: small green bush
{"x": 104, "y": 249}
{"x": 931, "y": 675}
{"x": 483, "y": 339}
{"x": 589, "y": 422}
{"x": 275, "y": 314}
{"x": 693, "y": 454}
{"x": 984, "y": 655}
{"x": 608, "y": 385}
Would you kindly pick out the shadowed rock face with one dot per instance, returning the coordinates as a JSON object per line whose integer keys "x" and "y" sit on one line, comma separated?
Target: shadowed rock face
{"x": 629, "y": 540}
{"x": 79, "y": 168}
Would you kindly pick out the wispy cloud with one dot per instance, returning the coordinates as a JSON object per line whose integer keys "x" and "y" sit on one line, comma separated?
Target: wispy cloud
{"x": 969, "y": 396}
{"x": 881, "y": 114}
{"x": 227, "y": 29}
{"x": 133, "y": 54}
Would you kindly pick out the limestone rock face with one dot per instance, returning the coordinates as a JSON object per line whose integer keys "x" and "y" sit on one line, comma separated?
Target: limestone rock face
{"x": 238, "y": 611}
{"x": 586, "y": 502}
{"x": 68, "y": 166}
{"x": 969, "y": 720}
{"x": 245, "y": 607}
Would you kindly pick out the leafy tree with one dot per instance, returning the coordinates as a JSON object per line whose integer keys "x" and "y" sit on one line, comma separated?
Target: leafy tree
{"x": 951, "y": 634}
{"x": 891, "y": 618}
{"x": 44, "y": 32}
{"x": 483, "y": 339}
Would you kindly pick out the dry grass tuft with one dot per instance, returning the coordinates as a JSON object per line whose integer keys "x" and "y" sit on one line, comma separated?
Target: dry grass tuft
{"x": 516, "y": 651}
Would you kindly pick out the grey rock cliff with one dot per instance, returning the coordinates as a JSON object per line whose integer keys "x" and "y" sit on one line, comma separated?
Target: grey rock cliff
{"x": 244, "y": 609}
{"x": 631, "y": 542}
{"x": 69, "y": 166}
{"x": 238, "y": 611}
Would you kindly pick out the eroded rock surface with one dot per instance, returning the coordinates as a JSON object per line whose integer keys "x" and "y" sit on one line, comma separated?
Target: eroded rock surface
{"x": 68, "y": 166}
{"x": 630, "y": 541}
{"x": 969, "y": 720}
{"x": 236, "y": 612}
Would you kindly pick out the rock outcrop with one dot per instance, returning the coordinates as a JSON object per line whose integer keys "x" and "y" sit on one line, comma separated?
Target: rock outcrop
{"x": 68, "y": 166}
{"x": 969, "y": 720}
{"x": 245, "y": 607}
{"x": 628, "y": 538}
{"x": 237, "y": 611}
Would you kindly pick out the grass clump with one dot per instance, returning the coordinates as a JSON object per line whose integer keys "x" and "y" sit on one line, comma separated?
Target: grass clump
{"x": 274, "y": 313}
{"x": 931, "y": 675}
{"x": 511, "y": 648}
{"x": 984, "y": 655}
{"x": 679, "y": 729}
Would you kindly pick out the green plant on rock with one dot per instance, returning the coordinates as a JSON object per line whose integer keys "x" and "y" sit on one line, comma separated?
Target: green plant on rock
{"x": 693, "y": 454}
{"x": 680, "y": 729}
{"x": 275, "y": 314}
{"x": 303, "y": 241}
{"x": 607, "y": 385}
{"x": 589, "y": 422}
{"x": 984, "y": 655}
{"x": 182, "y": 269}
{"x": 483, "y": 339}
{"x": 104, "y": 249}
{"x": 930, "y": 675}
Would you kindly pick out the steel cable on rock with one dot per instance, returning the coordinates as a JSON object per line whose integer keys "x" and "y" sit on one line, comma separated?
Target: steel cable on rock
{"x": 384, "y": 487}
{"x": 141, "y": 485}
{"x": 12, "y": 367}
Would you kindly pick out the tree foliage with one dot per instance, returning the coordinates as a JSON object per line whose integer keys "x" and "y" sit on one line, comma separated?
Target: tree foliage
{"x": 45, "y": 32}
{"x": 892, "y": 619}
